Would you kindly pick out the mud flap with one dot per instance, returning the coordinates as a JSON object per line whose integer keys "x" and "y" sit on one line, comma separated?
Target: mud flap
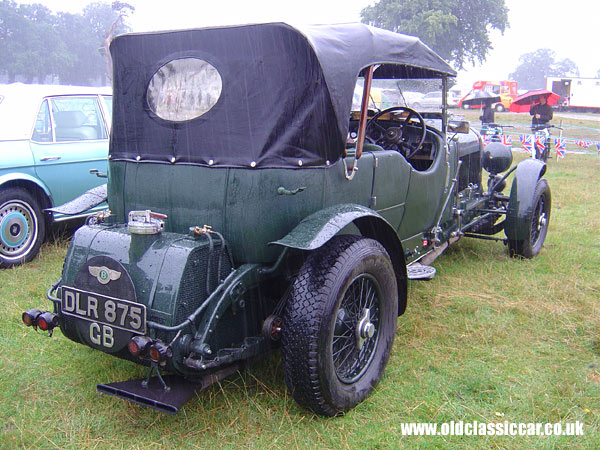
{"x": 155, "y": 396}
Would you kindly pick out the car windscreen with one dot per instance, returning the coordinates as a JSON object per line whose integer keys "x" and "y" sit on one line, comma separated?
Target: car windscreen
{"x": 424, "y": 95}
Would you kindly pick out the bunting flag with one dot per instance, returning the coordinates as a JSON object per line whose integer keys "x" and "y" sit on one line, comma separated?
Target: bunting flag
{"x": 486, "y": 139}
{"x": 527, "y": 142}
{"x": 540, "y": 141}
{"x": 582, "y": 143}
{"x": 560, "y": 144}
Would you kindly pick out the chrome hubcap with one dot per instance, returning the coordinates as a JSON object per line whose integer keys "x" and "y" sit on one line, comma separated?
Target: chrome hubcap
{"x": 542, "y": 221}
{"x": 17, "y": 228}
{"x": 364, "y": 328}
{"x": 356, "y": 329}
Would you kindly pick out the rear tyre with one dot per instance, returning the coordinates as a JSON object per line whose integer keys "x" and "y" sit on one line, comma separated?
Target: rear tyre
{"x": 339, "y": 325}
{"x": 537, "y": 224}
{"x": 499, "y": 107}
{"x": 22, "y": 227}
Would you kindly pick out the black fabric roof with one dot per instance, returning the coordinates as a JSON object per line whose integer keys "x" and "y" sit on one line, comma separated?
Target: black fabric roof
{"x": 286, "y": 95}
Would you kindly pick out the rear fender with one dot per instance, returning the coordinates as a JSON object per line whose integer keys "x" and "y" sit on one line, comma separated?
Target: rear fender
{"x": 520, "y": 205}
{"x": 318, "y": 228}
{"x": 24, "y": 178}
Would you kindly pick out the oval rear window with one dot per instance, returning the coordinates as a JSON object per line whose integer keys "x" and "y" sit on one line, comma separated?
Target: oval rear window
{"x": 184, "y": 89}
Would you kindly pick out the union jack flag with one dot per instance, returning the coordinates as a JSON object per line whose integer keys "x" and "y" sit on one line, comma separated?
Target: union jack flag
{"x": 540, "y": 141}
{"x": 582, "y": 143}
{"x": 507, "y": 140}
{"x": 560, "y": 145}
{"x": 527, "y": 142}
{"x": 486, "y": 139}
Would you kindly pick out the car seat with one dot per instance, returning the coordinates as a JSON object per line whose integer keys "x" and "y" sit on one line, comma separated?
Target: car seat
{"x": 70, "y": 126}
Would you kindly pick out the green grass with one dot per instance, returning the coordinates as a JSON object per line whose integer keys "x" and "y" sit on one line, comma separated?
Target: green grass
{"x": 489, "y": 339}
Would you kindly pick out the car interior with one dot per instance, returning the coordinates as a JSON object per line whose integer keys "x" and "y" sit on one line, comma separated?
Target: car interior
{"x": 71, "y": 126}
{"x": 401, "y": 129}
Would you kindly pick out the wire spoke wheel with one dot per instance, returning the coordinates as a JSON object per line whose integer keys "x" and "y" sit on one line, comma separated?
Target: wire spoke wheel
{"x": 340, "y": 322}
{"x": 356, "y": 330}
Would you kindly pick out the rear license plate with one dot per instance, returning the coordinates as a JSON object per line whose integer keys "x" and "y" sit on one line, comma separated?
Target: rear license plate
{"x": 117, "y": 313}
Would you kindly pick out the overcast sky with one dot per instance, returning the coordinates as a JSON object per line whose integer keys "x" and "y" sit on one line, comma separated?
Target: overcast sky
{"x": 570, "y": 28}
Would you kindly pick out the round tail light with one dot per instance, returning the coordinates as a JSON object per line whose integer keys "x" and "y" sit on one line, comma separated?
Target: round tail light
{"x": 47, "y": 321}
{"x": 159, "y": 352}
{"x": 30, "y": 317}
{"x": 138, "y": 345}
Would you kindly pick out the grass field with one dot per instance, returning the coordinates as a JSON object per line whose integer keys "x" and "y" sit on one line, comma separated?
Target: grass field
{"x": 490, "y": 339}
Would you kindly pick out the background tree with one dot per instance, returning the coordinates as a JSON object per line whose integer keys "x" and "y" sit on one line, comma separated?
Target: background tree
{"x": 39, "y": 45}
{"x": 29, "y": 43}
{"x": 116, "y": 27}
{"x": 457, "y": 30}
{"x": 534, "y": 67}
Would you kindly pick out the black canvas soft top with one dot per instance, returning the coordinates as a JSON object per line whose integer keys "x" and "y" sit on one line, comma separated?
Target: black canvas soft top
{"x": 286, "y": 92}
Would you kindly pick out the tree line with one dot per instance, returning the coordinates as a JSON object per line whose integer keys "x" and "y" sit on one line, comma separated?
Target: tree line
{"x": 459, "y": 31}
{"x": 38, "y": 45}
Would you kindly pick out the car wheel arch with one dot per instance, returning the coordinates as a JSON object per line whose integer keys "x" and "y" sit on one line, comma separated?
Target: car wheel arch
{"x": 524, "y": 184}
{"x": 320, "y": 227}
{"x": 39, "y": 191}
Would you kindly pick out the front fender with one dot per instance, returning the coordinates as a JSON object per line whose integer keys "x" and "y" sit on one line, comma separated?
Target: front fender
{"x": 521, "y": 200}
{"x": 318, "y": 228}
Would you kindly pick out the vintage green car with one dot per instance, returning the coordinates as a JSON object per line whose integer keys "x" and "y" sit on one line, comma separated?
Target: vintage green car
{"x": 251, "y": 208}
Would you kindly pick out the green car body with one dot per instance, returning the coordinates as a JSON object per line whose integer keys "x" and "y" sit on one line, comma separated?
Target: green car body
{"x": 250, "y": 208}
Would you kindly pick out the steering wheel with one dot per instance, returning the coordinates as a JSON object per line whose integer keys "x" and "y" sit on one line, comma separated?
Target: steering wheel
{"x": 396, "y": 138}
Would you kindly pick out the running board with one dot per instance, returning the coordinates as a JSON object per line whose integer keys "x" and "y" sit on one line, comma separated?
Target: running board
{"x": 155, "y": 396}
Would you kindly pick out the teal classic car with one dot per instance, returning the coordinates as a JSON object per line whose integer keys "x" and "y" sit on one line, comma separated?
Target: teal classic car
{"x": 50, "y": 139}
{"x": 251, "y": 208}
